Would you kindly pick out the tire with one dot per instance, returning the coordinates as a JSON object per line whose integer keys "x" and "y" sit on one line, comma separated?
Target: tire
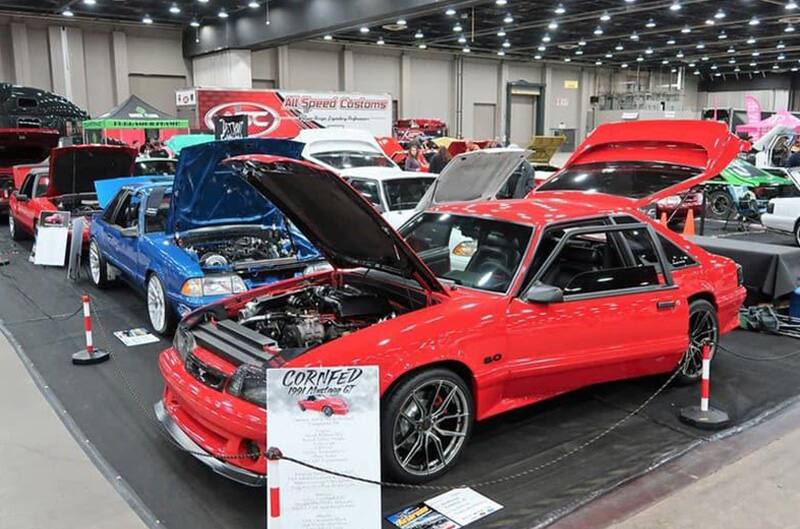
{"x": 410, "y": 425}
{"x": 162, "y": 317}
{"x": 328, "y": 411}
{"x": 719, "y": 204}
{"x": 797, "y": 234}
{"x": 13, "y": 229}
{"x": 98, "y": 266}
{"x": 701, "y": 314}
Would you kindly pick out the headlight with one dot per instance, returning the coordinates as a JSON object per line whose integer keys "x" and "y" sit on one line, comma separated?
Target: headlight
{"x": 183, "y": 342}
{"x": 250, "y": 383}
{"x": 215, "y": 285}
{"x": 465, "y": 249}
{"x": 670, "y": 201}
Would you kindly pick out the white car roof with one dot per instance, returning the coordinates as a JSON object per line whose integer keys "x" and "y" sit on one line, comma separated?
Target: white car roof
{"x": 322, "y": 140}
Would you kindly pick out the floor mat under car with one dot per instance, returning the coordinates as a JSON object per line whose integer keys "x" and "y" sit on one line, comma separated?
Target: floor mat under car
{"x": 183, "y": 493}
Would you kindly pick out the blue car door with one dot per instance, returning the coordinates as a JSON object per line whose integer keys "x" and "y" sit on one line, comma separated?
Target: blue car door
{"x": 120, "y": 237}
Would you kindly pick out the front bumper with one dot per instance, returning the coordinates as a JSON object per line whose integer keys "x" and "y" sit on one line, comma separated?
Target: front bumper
{"x": 222, "y": 468}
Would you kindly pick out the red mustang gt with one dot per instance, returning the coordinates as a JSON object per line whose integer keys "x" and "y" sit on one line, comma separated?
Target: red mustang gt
{"x": 569, "y": 287}
{"x": 66, "y": 184}
{"x": 327, "y": 405}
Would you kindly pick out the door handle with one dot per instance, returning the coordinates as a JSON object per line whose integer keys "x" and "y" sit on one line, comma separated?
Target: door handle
{"x": 666, "y": 305}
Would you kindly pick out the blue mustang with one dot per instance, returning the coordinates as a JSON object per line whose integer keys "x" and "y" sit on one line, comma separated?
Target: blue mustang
{"x": 202, "y": 236}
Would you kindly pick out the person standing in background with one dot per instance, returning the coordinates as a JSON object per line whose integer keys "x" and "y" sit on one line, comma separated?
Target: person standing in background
{"x": 440, "y": 160}
{"x": 412, "y": 161}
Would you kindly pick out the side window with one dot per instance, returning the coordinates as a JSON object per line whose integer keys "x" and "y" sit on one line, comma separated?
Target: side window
{"x": 127, "y": 215}
{"x": 675, "y": 256}
{"x": 368, "y": 188}
{"x": 27, "y": 185}
{"x": 591, "y": 263}
{"x": 41, "y": 185}
{"x": 158, "y": 223}
{"x": 642, "y": 248}
{"x": 111, "y": 208}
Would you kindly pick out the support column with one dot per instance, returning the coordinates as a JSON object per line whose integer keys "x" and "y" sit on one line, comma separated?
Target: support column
{"x": 226, "y": 69}
{"x": 549, "y": 117}
{"x": 502, "y": 102}
{"x": 59, "y": 61}
{"x": 404, "y": 102}
{"x": 283, "y": 80}
{"x": 119, "y": 62}
{"x": 21, "y": 54}
{"x": 347, "y": 74}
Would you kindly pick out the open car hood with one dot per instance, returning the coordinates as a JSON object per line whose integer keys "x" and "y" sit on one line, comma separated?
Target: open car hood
{"x": 26, "y": 146}
{"x": 473, "y": 176}
{"x": 543, "y": 148}
{"x": 321, "y": 205}
{"x": 208, "y": 193}
{"x": 693, "y": 151}
{"x": 75, "y": 169}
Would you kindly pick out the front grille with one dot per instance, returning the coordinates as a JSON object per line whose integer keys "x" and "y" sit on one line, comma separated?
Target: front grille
{"x": 209, "y": 376}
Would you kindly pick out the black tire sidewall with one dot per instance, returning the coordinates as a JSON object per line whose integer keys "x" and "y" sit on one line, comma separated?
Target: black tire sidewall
{"x": 390, "y": 408}
{"x": 710, "y": 202}
{"x": 696, "y": 306}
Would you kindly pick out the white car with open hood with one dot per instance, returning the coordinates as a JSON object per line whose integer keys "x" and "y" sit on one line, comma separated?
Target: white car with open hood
{"x": 783, "y": 213}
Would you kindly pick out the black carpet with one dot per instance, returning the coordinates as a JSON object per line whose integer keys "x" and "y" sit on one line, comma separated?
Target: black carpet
{"x": 183, "y": 493}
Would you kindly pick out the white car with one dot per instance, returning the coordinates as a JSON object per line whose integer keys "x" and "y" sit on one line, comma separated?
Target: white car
{"x": 481, "y": 175}
{"x": 783, "y": 213}
{"x": 357, "y": 157}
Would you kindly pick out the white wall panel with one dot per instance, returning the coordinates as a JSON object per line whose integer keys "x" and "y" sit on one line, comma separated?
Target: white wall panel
{"x": 377, "y": 73}
{"x": 156, "y": 55}
{"x": 314, "y": 68}
{"x": 432, "y": 89}
{"x": 519, "y": 71}
{"x": 99, "y": 72}
{"x": 480, "y": 87}
{"x": 264, "y": 64}
{"x": 226, "y": 69}
{"x": 40, "y": 67}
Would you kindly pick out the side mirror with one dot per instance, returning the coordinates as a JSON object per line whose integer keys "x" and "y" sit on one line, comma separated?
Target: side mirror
{"x": 21, "y": 197}
{"x": 544, "y": 294}
{"x": 133, "y": 231}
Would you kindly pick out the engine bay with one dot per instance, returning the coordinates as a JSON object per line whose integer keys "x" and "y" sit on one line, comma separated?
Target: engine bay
{"x": 316, "y": 314}
{"x": 78, "y": 205}
{"x": 244, "y": 251}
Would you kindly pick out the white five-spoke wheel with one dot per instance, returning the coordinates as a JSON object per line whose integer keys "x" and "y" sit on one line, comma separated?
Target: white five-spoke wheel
{"x": 161, "y": 316}
{"x": 98, "y": 268}
{"x": 427, "y": 422}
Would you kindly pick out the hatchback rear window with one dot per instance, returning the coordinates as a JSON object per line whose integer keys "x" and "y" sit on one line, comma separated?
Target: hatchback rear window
{"x": 628, "y": 179}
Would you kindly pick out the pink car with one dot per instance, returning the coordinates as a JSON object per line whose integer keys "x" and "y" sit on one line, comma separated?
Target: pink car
{"x": 327, "y": 405}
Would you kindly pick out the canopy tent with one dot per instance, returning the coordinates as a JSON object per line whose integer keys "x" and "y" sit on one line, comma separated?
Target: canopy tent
{"x": 781, "y": 118}
{"x": 134, "y": 121}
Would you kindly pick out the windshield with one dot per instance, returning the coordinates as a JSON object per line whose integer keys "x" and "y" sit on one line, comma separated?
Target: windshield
{"x": 405, "y": 193}
{"x": 475, "y": 252}
{"x": 627, "y": 179}
{"x": 155, "y": 167}
{"x": 351, "y": 159}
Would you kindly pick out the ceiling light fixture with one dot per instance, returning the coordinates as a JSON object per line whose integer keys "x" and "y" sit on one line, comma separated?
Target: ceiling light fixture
{"x": 253, "y": 5}
{"x": 639, "y": 59}
{"x": 559, "y": 10}
{"x": 609, "y": 55}
{"x": 581, "y": 42}
{"x": 466, "y": 50}
{"x": 418, "y": 35}
{"x": 194, "y": 23}
{"x": 223, "y": 13}
{"x": 174, "y": 9}
{"x": 754, "y": 21}
{"x": 380, "y": 42}
{"x": 722, "y": 36}
{"x": 546, "y": 38}
{"x": 402, "y": 22}
{"x": 720, "y": 14}
{"x": 648, "y": 51}
{"x": 423, "y": 46}
{"x": 623, "y": 65}
{"x": 541, "y": 48}
{"x": 500, "y": 2}
{"x": 731, "y": 50}
{"x": 605, "y": 17}
{"x": 780, "y": 45}
{"x": 508, "y": 19}
{"x": 501, "y": 33}
{"x": 578, "y": 52}
{"x": 665, "y": 61}
{"x": 462, "y": 39}
{"x": 567, "y": 59}
{"x": 686, "y": 29}
{"x": 537, "y": 57}
{"x": 676, "y": 6}
{"x": 328, "y": 37}
{"x": 552, "y": 25}
{"x": 789, "y": 29}
{"x": 501, "y": 53}
{"x": 506, "y": 44}
{"x": 790, "y": 5}
{"x": 650, "y": 23}
{"x": 700, "y": 46}
{"x": 598, "y": 62}
{"x": 457, "y": 28}
{"x": 450, "y": 12}
{"x": 670, "y": 42}
{"x": 619, "y": 47}
{"x": 90, "y": 2}
{"x": 598, "y": 30}
{"x": 634, "y": 36}
{"x": 68, "y": 13}
{"x": 147, "y": 20}
{"x": 710, "y": 22}
{"x": 751, "y": 40}
{"x": 680, "y": 55}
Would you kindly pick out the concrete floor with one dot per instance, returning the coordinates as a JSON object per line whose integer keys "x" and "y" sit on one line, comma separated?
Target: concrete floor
{"x": 761, "y": 490}
{"x": 46, "y": 479}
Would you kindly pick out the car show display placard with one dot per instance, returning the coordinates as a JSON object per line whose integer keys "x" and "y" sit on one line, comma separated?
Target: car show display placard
{"x": 327, "y": 417}
{"x": 50, "y": 248}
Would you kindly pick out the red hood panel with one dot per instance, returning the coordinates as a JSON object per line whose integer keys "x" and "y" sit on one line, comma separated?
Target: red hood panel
{"x": 75, "y": 169}
{"x": 706, "y": 145}
{"x": 25, "y": 146}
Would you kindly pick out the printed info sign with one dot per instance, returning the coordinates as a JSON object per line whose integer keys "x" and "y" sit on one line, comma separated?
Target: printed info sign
{"x": 328, "y": 417}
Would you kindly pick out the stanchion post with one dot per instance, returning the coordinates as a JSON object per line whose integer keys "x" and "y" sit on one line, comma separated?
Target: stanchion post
{"x": 274, "y": 479}
{"x": 705, "y": 416}
{"x": 90, "y": 355}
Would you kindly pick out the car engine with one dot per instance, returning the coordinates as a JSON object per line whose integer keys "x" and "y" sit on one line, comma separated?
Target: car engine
{"x": 270, "y": 244}
{"x": 315, "y": 315}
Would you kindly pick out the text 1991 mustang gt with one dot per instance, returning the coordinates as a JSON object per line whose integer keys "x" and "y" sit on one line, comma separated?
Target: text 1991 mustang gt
{"x": 203, "y": 237}
{"x": 566, "y": 288}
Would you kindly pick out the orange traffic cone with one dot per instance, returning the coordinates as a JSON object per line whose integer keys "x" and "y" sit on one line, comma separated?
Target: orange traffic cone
{"x": 663, "y": 219}
{"x": 688, "y": 226}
